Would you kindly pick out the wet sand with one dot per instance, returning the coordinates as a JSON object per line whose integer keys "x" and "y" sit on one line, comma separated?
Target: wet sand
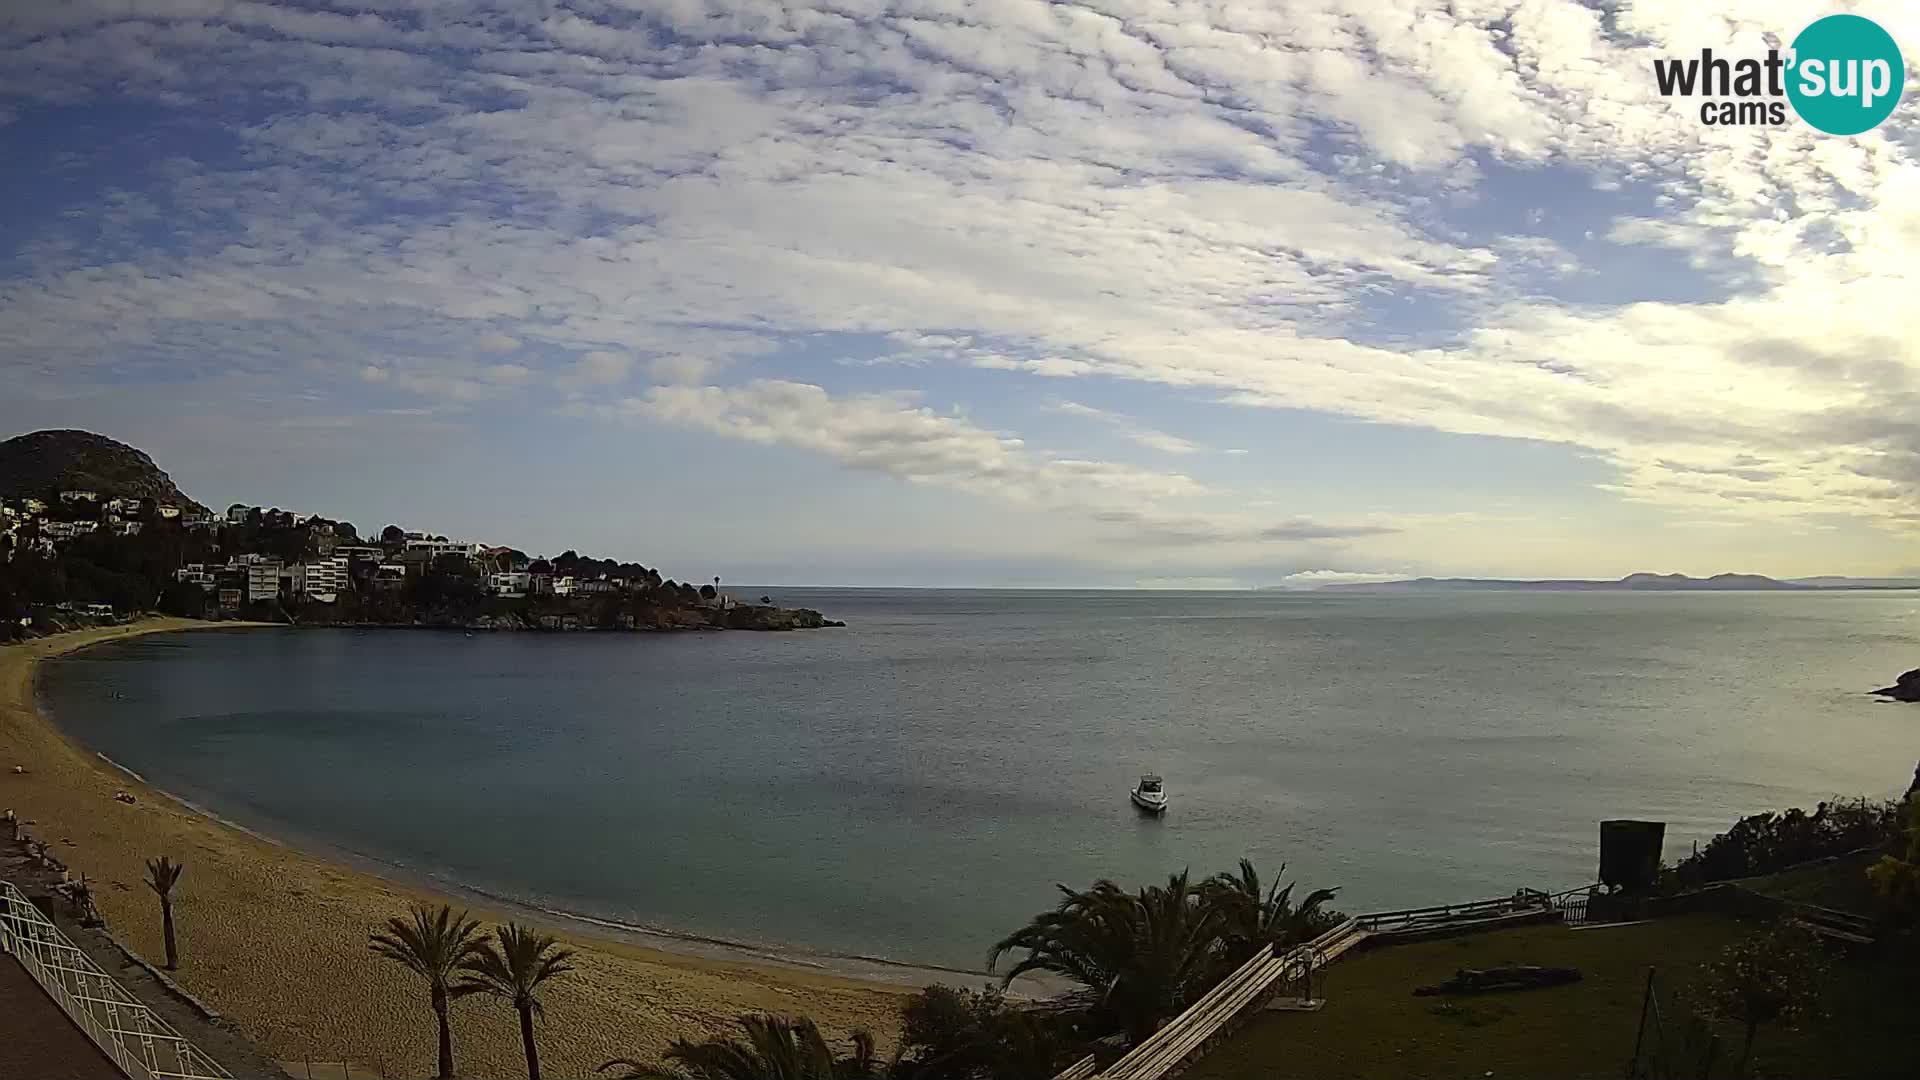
{"x": 276, "y": 938}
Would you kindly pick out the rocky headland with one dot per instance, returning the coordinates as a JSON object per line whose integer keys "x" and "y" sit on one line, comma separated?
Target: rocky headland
{"x": 1904, "y": 688}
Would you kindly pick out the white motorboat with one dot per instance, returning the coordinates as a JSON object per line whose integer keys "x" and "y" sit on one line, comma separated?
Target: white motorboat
{"x": 1150, "y": 794}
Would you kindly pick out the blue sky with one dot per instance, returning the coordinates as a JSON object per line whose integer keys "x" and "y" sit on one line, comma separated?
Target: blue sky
{"x": 994, "y": 292}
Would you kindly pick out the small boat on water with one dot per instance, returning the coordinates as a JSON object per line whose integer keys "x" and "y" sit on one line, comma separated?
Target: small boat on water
{"x": 1150, "y": 794}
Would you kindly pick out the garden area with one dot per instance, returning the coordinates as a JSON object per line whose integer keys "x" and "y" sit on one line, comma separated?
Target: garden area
{"x": 1374, "y": 1026}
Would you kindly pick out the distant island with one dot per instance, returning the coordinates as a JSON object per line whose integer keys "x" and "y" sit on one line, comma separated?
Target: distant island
{"x": 91, "y": 529}
{"x": 1642, "y": 582}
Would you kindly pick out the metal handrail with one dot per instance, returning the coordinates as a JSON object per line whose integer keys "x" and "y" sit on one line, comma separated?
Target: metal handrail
{"x": 125, "y": 1029}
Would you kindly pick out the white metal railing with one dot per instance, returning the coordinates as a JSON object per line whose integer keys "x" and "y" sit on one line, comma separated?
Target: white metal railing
{"x": 144, "y": 1046}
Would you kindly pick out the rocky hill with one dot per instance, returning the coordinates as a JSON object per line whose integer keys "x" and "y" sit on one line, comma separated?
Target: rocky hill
{"x": 46, "y": 461}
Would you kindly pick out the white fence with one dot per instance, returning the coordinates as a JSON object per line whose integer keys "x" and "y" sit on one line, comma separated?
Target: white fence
{"x": 144, "y": 1046}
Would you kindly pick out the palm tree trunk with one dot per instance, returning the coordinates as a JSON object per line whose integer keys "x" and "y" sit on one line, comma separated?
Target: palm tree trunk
{"x": 166, "y": 931}
{"x": 526, "y": 1039}
{"x": 446, "y": 1034}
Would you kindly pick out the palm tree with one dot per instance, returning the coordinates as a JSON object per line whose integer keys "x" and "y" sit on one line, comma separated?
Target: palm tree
{"x": 433, "y": 945}
{"x": 1142, "y": 957}
{"x": 1252, "y": 919}
{"x": 162, "y": 874}
{"x": 513, "y": 970}
{"x": 776, "y": 1048}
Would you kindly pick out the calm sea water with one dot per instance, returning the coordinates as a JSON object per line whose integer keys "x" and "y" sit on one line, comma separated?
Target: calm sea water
{"x": 912, "y": 786}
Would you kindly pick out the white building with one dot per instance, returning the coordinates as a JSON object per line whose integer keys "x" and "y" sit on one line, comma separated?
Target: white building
{"x": 79, "y": 495}
{"x": 196, "y": 574}
{"x": 67, "y": 530}
{"x": 237, "y": 513}
{"x": 263, "y": 580}
{"x": 327, "y": 579}
{"x": 433, "y": 549}
{"x": 510, "y": 583}
{"x": 167, "y": 511}
{"x": 563, "y": 586}
{"x": 127, "y": 528}
{"x": 34, "y": 506}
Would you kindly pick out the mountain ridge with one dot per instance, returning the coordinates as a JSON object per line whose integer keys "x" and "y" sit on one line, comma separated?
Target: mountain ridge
{"x": 1642, "y": 581}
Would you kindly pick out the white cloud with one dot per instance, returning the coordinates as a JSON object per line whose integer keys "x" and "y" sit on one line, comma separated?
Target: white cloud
{"x": 1151, "y": 438}
{"x": 894, "y": 435}
{"x": 602, "y": 368}
{"x": 1214, "y": 199}
{"x": 1314, "y": 579}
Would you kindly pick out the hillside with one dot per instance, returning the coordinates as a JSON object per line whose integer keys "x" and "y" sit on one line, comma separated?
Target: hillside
{"x": 45, "y": 461}
{"x": 1642, "y": 582}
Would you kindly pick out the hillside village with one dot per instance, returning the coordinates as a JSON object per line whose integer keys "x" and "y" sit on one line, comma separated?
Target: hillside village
{"x": 70, "y": 553}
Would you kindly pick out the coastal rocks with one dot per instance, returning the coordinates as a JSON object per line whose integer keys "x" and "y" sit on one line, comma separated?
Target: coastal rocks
{"x": 761, "y": 617}
{"x": 1905, "y": 688}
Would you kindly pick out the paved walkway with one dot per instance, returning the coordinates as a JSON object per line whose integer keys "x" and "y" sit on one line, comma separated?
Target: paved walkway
{"x": 36, "y": 1038}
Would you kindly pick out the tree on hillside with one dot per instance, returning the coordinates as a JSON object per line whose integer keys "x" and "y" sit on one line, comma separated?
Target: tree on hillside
{"x": 393, "y": 536}
{"x": 433, "y": 944}
{"x": 183, "y": 599}
{"x": 162, "y": 875}
{"x": 1897, "y": 879}
{"x": 776, "y": 1048}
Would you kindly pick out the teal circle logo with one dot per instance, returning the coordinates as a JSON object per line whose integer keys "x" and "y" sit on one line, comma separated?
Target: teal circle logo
{"x": 1846, "y": 74}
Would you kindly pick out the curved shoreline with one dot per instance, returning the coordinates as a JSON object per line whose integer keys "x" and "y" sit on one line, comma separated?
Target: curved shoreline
{"x": 274, "y": 934}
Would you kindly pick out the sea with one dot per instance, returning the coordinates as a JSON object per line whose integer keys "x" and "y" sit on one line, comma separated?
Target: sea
{"x": 913, "y": 786}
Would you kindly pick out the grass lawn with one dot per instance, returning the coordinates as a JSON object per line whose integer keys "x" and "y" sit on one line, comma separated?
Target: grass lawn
{"x": 1841, "y": 884}
{"x": 1373, "y": 1026}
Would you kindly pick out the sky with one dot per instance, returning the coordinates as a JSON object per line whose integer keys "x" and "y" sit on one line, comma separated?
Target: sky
{"x": 974, "y": 292}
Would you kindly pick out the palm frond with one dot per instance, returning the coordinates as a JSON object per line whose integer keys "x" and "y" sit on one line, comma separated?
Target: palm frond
{"x": 512, "y": 965}
{"x": 433, "y": 943}
{"x": 162, "y": 874}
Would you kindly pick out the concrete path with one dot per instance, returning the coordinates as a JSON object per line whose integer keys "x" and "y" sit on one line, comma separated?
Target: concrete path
{"x": 36, "y": 1038}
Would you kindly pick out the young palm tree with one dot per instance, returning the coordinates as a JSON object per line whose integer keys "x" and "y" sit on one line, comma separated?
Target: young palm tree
{"x": 513, "y": 970}
{"x": 162, "y": 874}
{"x": 776, "y": 1048}
{"x": 1252, "y": 919}
{"x": 433, "y": 945}
{"x": 1142, "y": 957}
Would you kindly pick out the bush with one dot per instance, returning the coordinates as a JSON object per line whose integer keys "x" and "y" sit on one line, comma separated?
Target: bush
{"x": 1765, "y": 843}
{"x": 953, "y": 1034}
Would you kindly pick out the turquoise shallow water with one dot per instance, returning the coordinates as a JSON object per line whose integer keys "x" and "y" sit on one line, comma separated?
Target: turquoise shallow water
{"x": 912, "y": 786}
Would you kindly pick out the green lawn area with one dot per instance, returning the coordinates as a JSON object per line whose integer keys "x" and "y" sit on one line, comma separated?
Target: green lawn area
{"x": 1373, "y": 1026}
{"x": 1841, "y": 884}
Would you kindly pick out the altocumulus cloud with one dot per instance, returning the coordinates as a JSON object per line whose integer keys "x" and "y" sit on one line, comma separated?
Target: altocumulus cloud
{"x": 567, "y": 199}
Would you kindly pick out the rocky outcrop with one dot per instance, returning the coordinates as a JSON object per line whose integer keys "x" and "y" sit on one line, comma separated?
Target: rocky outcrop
{"x": 1905, "y": 688}
{"x": 48, "y": 461}
{"x": 757, "y": 617}
{"x": 560, "y": 615}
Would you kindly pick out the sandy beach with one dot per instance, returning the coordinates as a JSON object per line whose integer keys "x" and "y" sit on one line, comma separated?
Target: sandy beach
{"x": 276, "y": 938}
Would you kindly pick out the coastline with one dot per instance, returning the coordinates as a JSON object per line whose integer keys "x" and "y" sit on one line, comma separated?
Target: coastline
{"x": 274, "y": 936}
